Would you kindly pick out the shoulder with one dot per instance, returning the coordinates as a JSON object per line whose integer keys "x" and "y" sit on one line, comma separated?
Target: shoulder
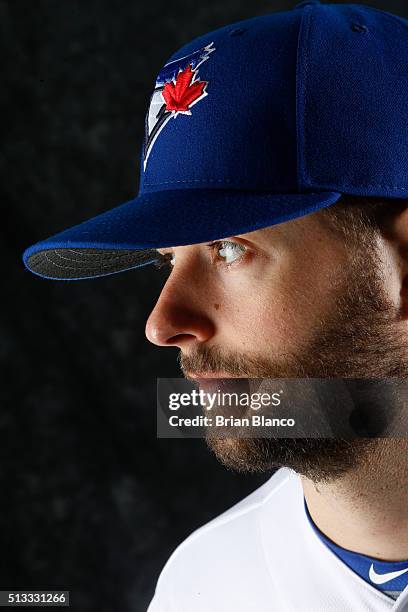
{"x": 221, "y": 550}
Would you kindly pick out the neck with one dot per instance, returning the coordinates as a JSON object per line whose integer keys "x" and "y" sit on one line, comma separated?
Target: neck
{"x": 366, "y": 510}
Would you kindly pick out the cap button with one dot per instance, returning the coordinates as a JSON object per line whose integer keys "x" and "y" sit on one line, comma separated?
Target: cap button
{"x": 306, "y": 3}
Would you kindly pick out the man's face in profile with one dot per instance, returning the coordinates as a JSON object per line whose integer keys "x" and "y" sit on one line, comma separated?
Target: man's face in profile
{"x": 291, "y": 300}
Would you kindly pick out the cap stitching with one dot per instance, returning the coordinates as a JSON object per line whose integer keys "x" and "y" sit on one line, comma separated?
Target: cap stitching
{"x": 102, "y": 253}
{"x": 45, "y": 254}
{"x": 106, "y": 259}
{"x": 209, "y": 180}
{"x": 99, "y": 265}
{"x": 300, "y": 97}
{"x": 348, "y": 185}
{"x": 304, "y": 175}
{"x": 271, "y": 194}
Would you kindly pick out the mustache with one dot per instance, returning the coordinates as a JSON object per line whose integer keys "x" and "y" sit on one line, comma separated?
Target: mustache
{"x": 211, "y": 360}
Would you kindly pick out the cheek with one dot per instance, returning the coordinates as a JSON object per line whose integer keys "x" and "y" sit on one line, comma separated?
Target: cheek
{"x": 275, "y": 314}
{"x": 275, "y": 321}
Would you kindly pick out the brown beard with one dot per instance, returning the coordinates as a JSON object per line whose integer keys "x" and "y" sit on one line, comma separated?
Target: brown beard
{"x": 360, "y": 339}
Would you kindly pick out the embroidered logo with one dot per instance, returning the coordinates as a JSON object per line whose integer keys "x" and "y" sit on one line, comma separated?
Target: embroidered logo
{"x": 178, "y": 87}
{"x": 383, "y": 578}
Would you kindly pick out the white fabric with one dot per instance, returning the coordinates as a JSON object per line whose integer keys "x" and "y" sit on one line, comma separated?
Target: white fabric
{"x": 262, "y": 555}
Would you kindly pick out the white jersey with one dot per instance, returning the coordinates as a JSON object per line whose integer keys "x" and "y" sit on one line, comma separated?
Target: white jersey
{"x": 262, "y": 555}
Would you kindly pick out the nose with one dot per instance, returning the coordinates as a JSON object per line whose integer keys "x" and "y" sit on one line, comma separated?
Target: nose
{"x": 176, "y": 320}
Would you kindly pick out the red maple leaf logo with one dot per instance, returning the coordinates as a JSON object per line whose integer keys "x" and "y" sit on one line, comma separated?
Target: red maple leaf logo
{"x": 179, "y": 96}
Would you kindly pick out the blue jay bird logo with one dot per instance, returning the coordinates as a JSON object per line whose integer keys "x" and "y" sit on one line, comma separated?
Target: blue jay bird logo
{"x": 178, "y": 87}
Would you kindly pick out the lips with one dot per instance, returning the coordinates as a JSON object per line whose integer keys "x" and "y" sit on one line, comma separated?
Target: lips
{"x": 207, "y": 375}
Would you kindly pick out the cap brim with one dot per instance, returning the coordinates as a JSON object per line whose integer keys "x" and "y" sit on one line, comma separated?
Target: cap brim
{"x": 126, "y": 237}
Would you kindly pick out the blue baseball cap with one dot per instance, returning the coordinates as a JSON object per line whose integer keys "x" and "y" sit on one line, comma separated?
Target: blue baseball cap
{"x": 251, "y": 125}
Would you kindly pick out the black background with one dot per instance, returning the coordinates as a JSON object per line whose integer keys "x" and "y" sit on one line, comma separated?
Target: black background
{"x": 91, "y": 501}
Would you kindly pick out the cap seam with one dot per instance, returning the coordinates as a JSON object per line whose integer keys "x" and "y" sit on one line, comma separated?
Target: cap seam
{"x": 324, "y": 186}
{"x": 301, "y": 94}
{"x": 208, "y": 180}
{"x": 268, "y": 194}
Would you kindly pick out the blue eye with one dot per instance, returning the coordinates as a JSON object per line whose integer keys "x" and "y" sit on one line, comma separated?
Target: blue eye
{"x": 222, "y": 251}
{"x": 229, "y": 251}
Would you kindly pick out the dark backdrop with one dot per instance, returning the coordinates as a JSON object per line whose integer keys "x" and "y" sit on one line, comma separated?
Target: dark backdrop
{"x": 91, "y": 501}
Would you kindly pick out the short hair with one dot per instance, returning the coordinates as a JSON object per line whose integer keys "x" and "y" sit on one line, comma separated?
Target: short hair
{"x": 360, "y": 217}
